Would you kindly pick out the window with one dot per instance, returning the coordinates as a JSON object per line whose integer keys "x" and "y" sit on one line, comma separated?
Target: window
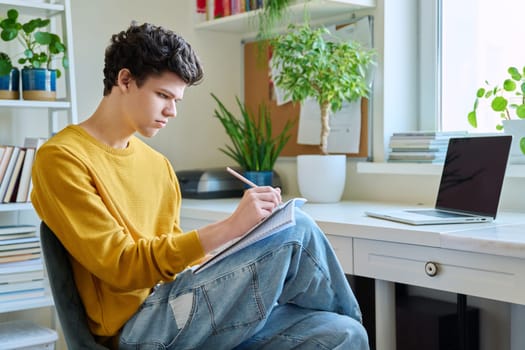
{"x": 480, "y": 39}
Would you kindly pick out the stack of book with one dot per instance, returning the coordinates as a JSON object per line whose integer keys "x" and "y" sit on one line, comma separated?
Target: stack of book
{"x": 21, "y": 267}
{"x": 420, "y": 146}
{"x": 15, "y": 170}
{"x": 207, "y": 10}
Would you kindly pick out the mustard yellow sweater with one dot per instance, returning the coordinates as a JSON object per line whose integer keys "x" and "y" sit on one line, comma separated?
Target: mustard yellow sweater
{"x": 117, "y": 213}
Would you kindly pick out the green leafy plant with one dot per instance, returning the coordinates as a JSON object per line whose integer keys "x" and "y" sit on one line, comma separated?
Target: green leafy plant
{"x": 272, "y": 13}
{"x": 5, "y": 64}
{"x": 40, "y": 47}
{"x": 314, "y": 63}
{"x": 254, "y": 148}
{"x": 508, "y": 99}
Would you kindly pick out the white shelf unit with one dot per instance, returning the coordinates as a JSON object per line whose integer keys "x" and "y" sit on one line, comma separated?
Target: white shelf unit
{"x": 59, "y": 11}
{"x": 320, "y": 11}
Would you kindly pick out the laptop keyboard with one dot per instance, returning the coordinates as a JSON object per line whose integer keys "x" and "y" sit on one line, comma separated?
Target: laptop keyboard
{"x": 437, "y": 213}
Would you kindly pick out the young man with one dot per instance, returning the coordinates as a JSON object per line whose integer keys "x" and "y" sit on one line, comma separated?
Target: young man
{"x": 114, "y": 204}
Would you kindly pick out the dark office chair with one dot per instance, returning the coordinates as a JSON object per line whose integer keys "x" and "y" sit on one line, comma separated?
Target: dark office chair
{"x": 69, "y": 307}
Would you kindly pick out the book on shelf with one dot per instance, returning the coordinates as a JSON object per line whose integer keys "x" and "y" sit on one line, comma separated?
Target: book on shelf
{"x": 15, "y": 177}
{"x": 430, "y": 133}
{"x": 437, "y": 156}
{"x": 4, "y": 160}
{"x": 25, "y": 176}
{"x": 20, "y": 257}
{"x": 22, "y": 276}
{"x": 31, "y": 142}
{"x": 417, "y": 161}
{"x": 12, "y": 229}
{"x": 18, "y": 240}
{"x": 22, "y": 294}
{"x": 34, "y": 142}
{"x": 21, "y": 266}
{"x": 2, "y": 151}
{"x": 20, "y": 251}
{"x": 281, "y": 218}
{"x": 19, "y": 286}
{"x": 8, "y": 172}
{"x": 17, "y": 246}
{"x": 9, "y": 236}
{"x": 415, "y": 142}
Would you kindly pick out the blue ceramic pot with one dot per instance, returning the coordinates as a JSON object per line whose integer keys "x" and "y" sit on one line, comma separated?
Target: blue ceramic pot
{"x": 39, "y": 84}
{"x": 260, "y": 178}
{"x": 10, "y": 85}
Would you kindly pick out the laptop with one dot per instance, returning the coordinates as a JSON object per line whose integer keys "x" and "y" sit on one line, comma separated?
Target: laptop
{"x": 470, "y": 186}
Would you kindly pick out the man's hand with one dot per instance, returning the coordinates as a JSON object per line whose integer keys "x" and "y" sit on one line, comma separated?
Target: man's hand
{"x": 255, "y": 205}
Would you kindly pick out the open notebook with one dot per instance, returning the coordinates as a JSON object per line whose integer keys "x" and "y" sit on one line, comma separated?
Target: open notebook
{"x": 281, "y": 218}
{"x": 470, "y": 186}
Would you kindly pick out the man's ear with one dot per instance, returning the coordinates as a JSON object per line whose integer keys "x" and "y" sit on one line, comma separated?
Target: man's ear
{"x": 124, "y": 79}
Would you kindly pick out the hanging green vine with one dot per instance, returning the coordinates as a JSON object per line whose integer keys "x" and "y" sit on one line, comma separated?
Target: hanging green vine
{"x": 272, "y": 13}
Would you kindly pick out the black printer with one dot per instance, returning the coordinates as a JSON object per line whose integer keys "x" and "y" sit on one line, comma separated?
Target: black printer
{"x": 213, "y": 183}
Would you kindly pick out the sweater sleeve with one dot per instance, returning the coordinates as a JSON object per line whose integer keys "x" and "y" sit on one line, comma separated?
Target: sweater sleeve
{"x": 76, "y": 204}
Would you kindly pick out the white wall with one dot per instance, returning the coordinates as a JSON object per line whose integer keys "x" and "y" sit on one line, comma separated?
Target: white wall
{"x": 192, "y": 139}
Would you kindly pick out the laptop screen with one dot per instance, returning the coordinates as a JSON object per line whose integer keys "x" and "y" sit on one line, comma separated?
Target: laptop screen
{"x": 473, "y": 174}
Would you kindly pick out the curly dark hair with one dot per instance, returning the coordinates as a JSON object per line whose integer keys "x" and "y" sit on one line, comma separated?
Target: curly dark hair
{"x": 150, "y": 50}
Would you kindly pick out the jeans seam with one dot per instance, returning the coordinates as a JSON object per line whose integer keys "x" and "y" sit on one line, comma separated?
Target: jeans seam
{"x": 255, "y": 285}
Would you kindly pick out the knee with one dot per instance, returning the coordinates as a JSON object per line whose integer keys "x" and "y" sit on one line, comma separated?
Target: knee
{"x": 352, "y": 334}
{"x": 305, "y": 223}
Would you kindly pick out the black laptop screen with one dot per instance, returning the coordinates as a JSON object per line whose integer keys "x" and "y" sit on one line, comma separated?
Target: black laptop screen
{"x": 473, "y": 174}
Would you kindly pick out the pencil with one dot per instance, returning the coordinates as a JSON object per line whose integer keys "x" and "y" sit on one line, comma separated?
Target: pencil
{"x": 240, "y": 177}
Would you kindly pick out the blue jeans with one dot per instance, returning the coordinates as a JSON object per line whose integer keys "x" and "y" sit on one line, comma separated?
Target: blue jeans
{"x": 286, "y": 291}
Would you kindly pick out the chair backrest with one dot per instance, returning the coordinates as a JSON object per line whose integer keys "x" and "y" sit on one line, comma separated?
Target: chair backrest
{"x": 68, "y": 305}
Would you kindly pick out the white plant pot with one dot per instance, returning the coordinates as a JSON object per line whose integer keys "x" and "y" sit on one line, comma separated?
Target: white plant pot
{"x": 516, "y": 128}
{"x": 321, "y": 178}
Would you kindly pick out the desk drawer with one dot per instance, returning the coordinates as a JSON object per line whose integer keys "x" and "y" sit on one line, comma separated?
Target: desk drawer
{"x": 343, "y": 248}
{"x": 483, "y": 275}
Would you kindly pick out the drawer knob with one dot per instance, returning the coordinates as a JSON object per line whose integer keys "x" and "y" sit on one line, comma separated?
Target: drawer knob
{"x": 431, "y": 268}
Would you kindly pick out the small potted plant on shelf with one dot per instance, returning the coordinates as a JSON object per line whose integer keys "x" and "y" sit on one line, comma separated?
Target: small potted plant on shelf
{"x": 9, "y": 78}
{"x": 255, "y": 145}
{"x": 313, "y": 63}
{"x": 272, "y": 12}
{"x": 41, "y": 48}
{"x": 508, "y": 100}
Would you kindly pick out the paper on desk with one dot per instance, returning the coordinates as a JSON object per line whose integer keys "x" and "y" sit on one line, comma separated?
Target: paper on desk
{"x": 345, "y": 127}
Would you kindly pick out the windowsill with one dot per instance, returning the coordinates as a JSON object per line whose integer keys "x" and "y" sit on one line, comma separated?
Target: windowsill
{"x": 513, "y": 171}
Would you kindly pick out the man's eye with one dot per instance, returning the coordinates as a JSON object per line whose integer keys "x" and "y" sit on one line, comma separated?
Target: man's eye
{"x": 163, "y": 95}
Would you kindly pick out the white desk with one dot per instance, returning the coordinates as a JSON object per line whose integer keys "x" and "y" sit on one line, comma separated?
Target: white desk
{"x": 485, "y": 260}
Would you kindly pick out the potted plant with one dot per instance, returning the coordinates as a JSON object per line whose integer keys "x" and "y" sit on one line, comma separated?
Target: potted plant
{"x": 41, "y": 48}
{"x": 9, "y": 78}
{"x": 255, "y": 145}
{"x": 312, "y": 63}
{"x": 508, "y": 100}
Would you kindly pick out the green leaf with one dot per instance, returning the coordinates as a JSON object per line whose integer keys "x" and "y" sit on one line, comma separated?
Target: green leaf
{"x": 514, "y": 73}
{"x": 522, "y": 145}
{"x": 509, "y": 85}
{"x": 520, "y": 111}
{"x": 499, "y": 103}
{"x": 472, "y": 119}
{"x": 480, "y": 92}
{"x": 5, "y": 67}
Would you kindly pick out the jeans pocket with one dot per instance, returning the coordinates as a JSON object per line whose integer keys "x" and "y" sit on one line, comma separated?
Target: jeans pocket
{"x": 241, "y": 307}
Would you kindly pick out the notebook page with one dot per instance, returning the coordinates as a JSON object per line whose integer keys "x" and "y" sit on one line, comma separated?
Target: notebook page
{"x": 281, "y": 218}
